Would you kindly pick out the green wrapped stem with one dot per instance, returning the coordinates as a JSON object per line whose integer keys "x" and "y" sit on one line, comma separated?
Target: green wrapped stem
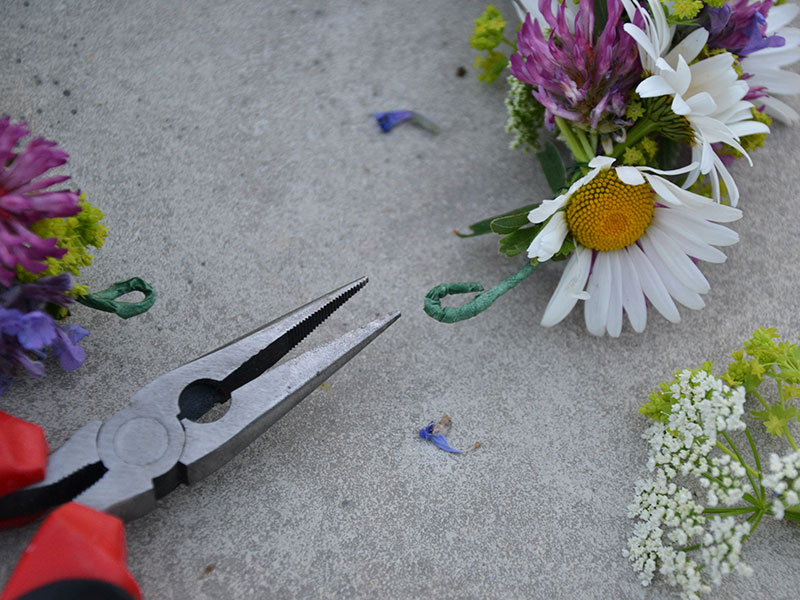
{"x": 452, "y": 314}
{"x": 106, "y": 300}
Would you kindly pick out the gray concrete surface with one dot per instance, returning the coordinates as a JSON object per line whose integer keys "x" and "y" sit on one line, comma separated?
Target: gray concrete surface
{"x": 232, "y": 148}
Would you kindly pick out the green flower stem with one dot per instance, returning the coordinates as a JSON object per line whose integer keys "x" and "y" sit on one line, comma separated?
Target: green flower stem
{"x": 761, "y": 491}
{"x": 572, "y": 142}
{"x": 510, "y": 43}
{"x": 760, "y": 399}
{"x": 641, "y": 128}
{"x": 791, "y": 440}
{"x": 451, "y": 314}
{"x": 732, "y": 455}
{"x": 587, "y": 146}
{"x": 756, "y": 519}
{"x": 740, "y": 459}
{"x": 753, "y": 500}
{"x": 733, "y": 510}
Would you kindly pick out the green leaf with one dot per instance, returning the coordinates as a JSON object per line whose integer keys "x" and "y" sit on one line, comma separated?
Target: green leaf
{"x": 792, "y": 513}
{"x": 518, "y": 242}
{"x": 553, "y": 167}
{"x": 776, "y": 418}
{"x": 566, "y": 249}
{"x": 509, "y": 224}
{"x": 484, "y": 227}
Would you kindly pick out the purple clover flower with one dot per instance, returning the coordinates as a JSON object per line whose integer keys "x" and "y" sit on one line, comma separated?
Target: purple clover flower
{"x": 576, "y": 77}
{"x": 24, "y": 200}
{"x": 740, "y": 27}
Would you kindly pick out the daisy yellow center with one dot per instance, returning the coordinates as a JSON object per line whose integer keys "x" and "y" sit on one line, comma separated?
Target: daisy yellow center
{"x": 606, "y": 214}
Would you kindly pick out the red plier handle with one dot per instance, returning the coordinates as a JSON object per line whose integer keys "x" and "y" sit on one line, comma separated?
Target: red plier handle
{"x": 78, "y": 552}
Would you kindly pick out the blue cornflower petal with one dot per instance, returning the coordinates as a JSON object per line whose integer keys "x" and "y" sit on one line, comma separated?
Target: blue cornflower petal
{"x": 387, "y": 120}
{"x": 436, "y": 433}
{"x": 437, "y": 438}
{"x": 37, "y": 330}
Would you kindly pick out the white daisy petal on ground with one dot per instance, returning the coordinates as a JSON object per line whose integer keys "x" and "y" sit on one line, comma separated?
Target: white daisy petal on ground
{"x": 638, "y": 237}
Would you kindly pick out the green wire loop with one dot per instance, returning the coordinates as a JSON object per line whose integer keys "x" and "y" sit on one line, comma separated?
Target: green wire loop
{"x": 105, "y": 300}
{"x": 449, "y": 314}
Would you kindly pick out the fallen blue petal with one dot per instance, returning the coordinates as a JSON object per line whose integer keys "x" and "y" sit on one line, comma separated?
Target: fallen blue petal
{"x": 437, "y": 438}
{"x": 388, "y": 120}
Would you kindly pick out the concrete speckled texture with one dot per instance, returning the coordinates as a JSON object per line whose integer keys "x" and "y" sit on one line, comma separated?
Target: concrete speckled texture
{"x": 232, "y": 148}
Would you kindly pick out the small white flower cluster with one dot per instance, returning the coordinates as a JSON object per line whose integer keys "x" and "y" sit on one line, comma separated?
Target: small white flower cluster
{"x": 669, "y": 520}
{"x": 703, "y": 408}
{"x": 784, "y": 481}
{"x": 664, "y": 509}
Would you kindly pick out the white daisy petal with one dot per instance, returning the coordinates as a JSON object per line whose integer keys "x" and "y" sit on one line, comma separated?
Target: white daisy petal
{"x": 675, "y": 260}
{"x": 781, "y": 110}
{"x": 595, "y": 311}
{"x": 780, "y": 16}
{"x": 692, "y": 246}
{"x": 681, "y": 293}
{"x": 654, "y": 86}
{"x": 570, "y": 287}
{"x": 601, "y": 162}
{"x": 549, "y": 239}
{"x": 689, "y": 47}
{"x": 632, "y": 295}
{"x": 712, "y": 233}
{"x": 727, "y": 179}
{"x": 702, "y": 206}
{"x": 614, "y": 318}
{"x": 702, "y": 103}
{"x": 663, "y": 191}
{"x": 641, "y": 39}
{"x": 652, "y": 286}
{"x": 546, "y": 209}
{"x": 630, "y": 175}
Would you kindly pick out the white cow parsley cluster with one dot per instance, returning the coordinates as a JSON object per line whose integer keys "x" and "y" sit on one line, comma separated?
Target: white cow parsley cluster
{"x": 673, "y": 536}
{"x": 784, "y": 481}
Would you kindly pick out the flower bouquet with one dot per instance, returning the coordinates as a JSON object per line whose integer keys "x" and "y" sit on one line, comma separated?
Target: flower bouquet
{"x": 44, "y": 236}
{"x": 654, "y": 103}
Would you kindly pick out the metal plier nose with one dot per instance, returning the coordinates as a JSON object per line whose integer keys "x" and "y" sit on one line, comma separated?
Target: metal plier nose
{"x": 144, "y": 451}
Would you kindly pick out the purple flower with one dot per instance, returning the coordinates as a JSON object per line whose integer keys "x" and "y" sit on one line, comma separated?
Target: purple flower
{"x": 24, "y": 201}
{"x": 740, "y": 27}
{"x": 27, "y": 332}
{"x": 36, "y": 330}
{"x": 575, "y": 76}
{"x": 70, "y": 355}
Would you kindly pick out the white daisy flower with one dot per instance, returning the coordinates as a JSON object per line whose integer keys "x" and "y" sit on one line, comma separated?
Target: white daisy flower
{"x": 707, "y": 93}
{"x": 636, "y": 236}
{"x": 765, "y": 65}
